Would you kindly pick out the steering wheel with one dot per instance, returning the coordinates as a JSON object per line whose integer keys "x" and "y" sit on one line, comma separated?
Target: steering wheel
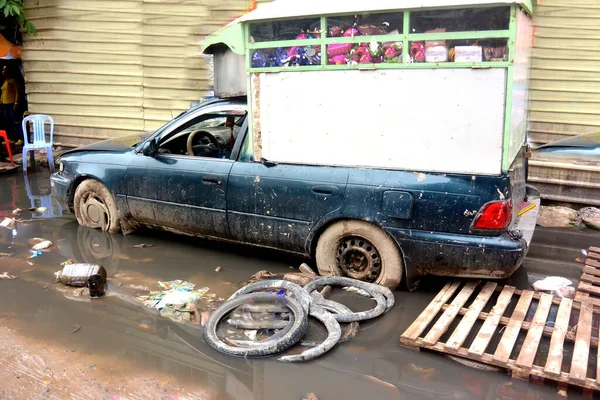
{"x": 213, "y": 149}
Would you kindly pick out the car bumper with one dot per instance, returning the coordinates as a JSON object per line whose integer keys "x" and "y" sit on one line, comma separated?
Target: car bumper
{"x": 444, "y": 254}
{"x": 60, "y": 188}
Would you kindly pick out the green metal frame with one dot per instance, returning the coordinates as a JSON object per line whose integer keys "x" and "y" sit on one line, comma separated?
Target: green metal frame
{"x": 512, "y": 43}
{"x": 406, "y": 38}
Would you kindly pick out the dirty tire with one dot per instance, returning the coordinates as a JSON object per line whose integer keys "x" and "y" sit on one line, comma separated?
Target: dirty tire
{"x": 390, "y": 268}
{"x": 95, "y": 207}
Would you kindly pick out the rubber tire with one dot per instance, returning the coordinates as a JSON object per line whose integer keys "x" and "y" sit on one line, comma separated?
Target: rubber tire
{"x": 392, "y": 267}
{"x": 93, "y": 186}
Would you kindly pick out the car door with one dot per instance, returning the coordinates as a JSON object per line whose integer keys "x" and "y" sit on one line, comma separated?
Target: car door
{"x": 277, "y": 205}
{"x": 181, "y": 191}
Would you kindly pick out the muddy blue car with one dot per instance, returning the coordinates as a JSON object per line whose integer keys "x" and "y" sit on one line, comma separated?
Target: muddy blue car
{"x": 196, "y": 176}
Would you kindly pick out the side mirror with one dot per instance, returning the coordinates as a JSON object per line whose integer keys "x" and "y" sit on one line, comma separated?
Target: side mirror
{"x": 149, "y": 149}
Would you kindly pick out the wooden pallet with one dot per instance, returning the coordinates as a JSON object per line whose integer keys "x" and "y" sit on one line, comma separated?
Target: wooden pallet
{"x": 589, "y": 283}
{"x": 449, "y": 304}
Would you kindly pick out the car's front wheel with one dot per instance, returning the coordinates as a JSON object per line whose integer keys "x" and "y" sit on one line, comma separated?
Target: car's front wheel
{"x": 361, "y": 251}
{"x": 95, "y": 207}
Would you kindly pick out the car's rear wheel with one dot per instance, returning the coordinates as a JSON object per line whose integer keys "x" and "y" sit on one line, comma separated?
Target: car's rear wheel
{"x": 360, "y": 250}
{"x": 95, "y": 207}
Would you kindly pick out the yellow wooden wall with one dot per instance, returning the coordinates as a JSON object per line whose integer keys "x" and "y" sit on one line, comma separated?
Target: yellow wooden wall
{"x": 107, "y": 68}
{"x": 565, "y": 76}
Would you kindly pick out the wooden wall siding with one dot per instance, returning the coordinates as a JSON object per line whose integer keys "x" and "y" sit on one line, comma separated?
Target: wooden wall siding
{"x": 108, "y": 68}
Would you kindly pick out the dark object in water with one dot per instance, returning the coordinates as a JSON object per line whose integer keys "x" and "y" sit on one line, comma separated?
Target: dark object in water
{"x": 78, "y": 274}
{"x": 96, "y": 285}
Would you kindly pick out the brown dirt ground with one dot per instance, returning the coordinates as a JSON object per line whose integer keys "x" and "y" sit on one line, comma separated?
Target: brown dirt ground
{"x": 36, "y": 369}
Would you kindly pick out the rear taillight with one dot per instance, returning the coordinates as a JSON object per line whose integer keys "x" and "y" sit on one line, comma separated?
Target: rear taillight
{"x": 494, "y": 216}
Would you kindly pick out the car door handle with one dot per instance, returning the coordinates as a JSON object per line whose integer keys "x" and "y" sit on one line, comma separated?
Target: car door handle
{"x": 324, "y": 190}
{"x": 211, "y": 180}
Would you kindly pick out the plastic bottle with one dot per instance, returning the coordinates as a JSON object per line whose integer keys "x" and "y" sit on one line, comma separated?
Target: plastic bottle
{"x": 78, "y": 274}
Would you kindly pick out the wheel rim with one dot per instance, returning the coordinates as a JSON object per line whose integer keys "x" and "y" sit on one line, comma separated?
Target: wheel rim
{"x": 94, "y": 211}
{"x": 358, "y": 259}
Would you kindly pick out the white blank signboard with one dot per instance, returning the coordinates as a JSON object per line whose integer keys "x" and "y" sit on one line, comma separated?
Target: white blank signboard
{"x": 438, "y": 120}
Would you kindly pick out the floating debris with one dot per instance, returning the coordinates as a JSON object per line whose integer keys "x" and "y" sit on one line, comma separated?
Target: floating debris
{"x": 38, "y": 209}
{"x": 6, "y": 275}
{"x": 68, "y": 262}
{"x": 35, "y": 240}
{"x": 42, "y": 245}
{"x": 17, "y": 211}
{"x": 35, "y": 253}
{"x": 77, "y": 328}
{"x": 78, "y": 274}
{"x": 425, "y": 372}
{"x": 251, "y": 334}
{"x": 142, "y": 245}
{"x": 30, "y": 263}
{"x": 551, "y": 283}
{"x": 177, "y": 301}
{"x": 5, "y": 255}
{"x": 96, "y": 245}
{"x": 8, "y": 223}
{"x": 218, "y": 269}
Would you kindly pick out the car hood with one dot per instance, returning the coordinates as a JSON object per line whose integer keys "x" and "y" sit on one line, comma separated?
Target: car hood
{"x": 589, "y": 140}
{"x": 117, "y": 144}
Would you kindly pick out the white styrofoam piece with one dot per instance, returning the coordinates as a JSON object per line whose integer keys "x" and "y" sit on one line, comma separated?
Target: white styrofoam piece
{"x": 439, "y": 120}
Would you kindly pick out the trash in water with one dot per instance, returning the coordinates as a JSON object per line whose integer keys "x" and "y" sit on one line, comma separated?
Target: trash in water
{"x": 96, "y": 245}
{"x": 42, "y": 245}
{"x": 17, "y": 211}
{"x": 4, "y": 255}
{"x": 584, "y": 252}
{"x": 176, "y": 298}
{"x": 68, "y": 262}
{"x": 141, "y": 245}
{"x": 357, "y": 291}
{"x": 181, "y": 313}
{"x": 177, "y": 301}
{"x": 8, "y": 223}
{"x": 177, "y": 285}
{"x": 551, "y": 283}
{"x": 251, "y": 334}
{"x": 309, "y": 396}
{"x": 96, "y": 285}
{"x": 35, "y": 253}
{"x": 38, "y": 209}
{"x": 425, "y": 372}
{"x": 6, "y": 275}
{"x": 218, "y": 269}
{"x": 76, "y": 328}
{"x": 30, "y": 263}
{"x": 79, "y": 274}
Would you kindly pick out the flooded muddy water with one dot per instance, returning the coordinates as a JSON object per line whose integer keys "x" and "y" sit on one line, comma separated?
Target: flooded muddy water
{"x": 114, "y": 348}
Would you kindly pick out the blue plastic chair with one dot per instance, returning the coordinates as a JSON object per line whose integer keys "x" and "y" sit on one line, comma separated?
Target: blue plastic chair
{"x": 38, "y": 121}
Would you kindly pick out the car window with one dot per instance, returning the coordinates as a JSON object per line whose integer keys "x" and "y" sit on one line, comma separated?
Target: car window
{"x": 210, "y": 134}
